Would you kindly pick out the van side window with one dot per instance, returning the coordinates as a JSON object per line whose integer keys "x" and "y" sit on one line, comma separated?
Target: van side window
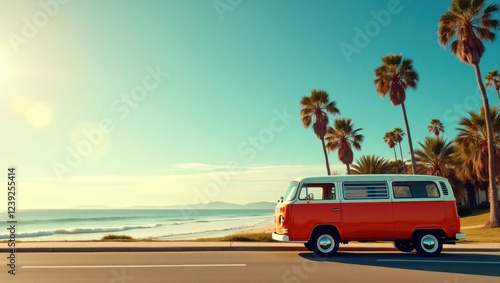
{"x": 365, "y": 190}
{"x": 424, "y": 189}
{"x": 402, "y": 191}
{"x": 319, "y": 191}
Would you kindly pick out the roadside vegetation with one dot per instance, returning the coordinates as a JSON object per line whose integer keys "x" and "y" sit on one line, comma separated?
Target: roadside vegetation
{"x": 241, "y": 237}
{"x": 116, "y": 238}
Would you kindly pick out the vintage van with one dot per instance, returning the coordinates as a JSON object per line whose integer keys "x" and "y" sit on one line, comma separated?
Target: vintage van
{"x": 416, "y": 212}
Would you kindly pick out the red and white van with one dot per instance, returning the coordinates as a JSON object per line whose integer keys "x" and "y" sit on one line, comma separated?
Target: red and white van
{"x": 415, "y": 211}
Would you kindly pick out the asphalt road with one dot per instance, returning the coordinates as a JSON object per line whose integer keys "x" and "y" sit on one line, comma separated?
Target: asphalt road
{"x": 227, "y": 266}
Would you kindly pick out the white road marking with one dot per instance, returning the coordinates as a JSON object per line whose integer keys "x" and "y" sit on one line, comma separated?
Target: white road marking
{"x": 439, "y": 261}
{"x": 132, "y": 266}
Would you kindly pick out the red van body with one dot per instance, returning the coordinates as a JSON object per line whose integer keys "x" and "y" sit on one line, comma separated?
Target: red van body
{"x": 415, "y": 211}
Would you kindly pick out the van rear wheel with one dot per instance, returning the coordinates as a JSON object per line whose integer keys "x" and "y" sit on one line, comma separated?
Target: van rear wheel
{"x": 325, "y": 242}
{"x": 428, "y": 243}
{"x": 404, "y": 246}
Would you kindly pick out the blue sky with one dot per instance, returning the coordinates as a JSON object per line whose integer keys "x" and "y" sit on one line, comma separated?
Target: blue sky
{"x": 124, "y": 103}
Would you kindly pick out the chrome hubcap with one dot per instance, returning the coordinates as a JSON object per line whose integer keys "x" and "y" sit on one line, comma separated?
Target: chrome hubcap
{"x": 429, "y": 243}
{"x": 326, "y": 243}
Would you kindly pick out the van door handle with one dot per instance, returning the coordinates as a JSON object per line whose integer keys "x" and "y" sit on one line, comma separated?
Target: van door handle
{"x": 335, "y": 209}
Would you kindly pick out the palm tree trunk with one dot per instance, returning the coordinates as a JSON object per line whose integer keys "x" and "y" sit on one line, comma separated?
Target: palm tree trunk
{"x": 326, "y": 157}
{"x": 492, "y": 188}
{"x": 400, "y": 150}
{"x": 413, "y": 163}
{"x": 348, "y": 169}
{"x": 498, "y": 93}
{"x": 396, "y": 161}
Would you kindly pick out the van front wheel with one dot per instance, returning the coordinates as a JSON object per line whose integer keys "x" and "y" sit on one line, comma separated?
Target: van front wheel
{"x": 428, "y": 243}
{"x": 326, "y": 243}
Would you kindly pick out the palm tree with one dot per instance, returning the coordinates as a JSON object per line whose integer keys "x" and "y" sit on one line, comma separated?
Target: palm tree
{"x": 343, "y": 137}
{"x": 493, "y": 79}
{"x": 371, "y": 164}
{"x": 390, "y": 140}
{"x": 436, "y": 127}
{"x": 398, "y": 135}
{"x": 435, "y": 157}
{"x": 316, "y": 108}
{"x": 393, "y": 77}
{"x": 472, "y": 151}
{"x": 466, "y": 24}
{"x": 472, "y": 144}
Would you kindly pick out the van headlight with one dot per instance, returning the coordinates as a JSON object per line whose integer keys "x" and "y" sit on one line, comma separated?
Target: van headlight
{"x": 282, "y": 220}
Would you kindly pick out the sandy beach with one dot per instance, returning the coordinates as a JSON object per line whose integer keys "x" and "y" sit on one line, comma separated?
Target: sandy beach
{"x": 265, "y": 229}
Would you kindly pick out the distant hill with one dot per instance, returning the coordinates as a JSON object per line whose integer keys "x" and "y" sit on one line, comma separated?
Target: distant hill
{"x": 92, "y": 207}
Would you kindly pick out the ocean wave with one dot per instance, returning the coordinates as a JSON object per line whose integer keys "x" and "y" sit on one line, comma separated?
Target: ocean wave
{"x": 80, "y": 219}
{"x": 75, "y": 231}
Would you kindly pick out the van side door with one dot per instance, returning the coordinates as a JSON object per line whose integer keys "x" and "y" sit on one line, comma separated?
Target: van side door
{"x": 367, "y": 211}
{"x": 317, "y": 203}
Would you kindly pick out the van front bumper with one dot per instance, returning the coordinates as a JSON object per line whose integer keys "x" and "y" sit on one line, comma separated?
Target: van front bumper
{"x": 460, "y": 236}
{"x": 281, "y": 238}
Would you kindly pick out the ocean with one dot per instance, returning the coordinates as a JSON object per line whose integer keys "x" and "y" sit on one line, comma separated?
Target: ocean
{"x": 160, "y": 224}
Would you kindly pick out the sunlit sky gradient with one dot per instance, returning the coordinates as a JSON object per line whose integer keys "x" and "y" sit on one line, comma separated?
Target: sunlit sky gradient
{"x": 180, "y": 102}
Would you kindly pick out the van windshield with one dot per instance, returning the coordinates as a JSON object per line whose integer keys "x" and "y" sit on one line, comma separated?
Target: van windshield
{"x": 291, "y": 191}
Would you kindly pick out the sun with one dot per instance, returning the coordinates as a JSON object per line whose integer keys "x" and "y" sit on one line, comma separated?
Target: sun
{"x": 38, "y": 115}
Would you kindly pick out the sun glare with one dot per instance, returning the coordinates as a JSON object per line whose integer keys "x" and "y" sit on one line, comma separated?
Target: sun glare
{"x": 38, "y": 115}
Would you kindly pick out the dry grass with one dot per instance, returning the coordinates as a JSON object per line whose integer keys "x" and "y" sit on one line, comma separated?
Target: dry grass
{"x": 479, "y": 234}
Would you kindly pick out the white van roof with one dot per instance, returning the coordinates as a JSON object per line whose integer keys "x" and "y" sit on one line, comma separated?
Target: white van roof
{"x": 371, "y": 177}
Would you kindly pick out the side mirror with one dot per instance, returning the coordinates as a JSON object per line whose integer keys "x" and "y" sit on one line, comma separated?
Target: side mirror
{"x": 281, "y": 199}
{"x": 310, "y": 197}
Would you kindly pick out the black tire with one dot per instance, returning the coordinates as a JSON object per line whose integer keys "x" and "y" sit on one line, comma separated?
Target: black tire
{"x": 404, "y": 246}
{"x": 309, "y": 246}
{"x": 325, "y": 242}
{"x": 428, "y": 243}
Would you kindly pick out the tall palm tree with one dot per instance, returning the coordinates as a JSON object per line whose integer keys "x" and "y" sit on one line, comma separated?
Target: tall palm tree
{"x": 435, "y": 157}
{"x": 343, "y": 137}
{"x": 493, "y": 79}
{"x": 371, "y": 164}
{"x": 435, "y": 127}
{"x": 398, "y": 135}
{"x": 466, "y": 24}
{"x": 390, "y": 140}
{"x": 472, "y": 144}
{"x": 472, "y": 151}
{"x": 315, "y": 109}
{"x": 393, "y": 77}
